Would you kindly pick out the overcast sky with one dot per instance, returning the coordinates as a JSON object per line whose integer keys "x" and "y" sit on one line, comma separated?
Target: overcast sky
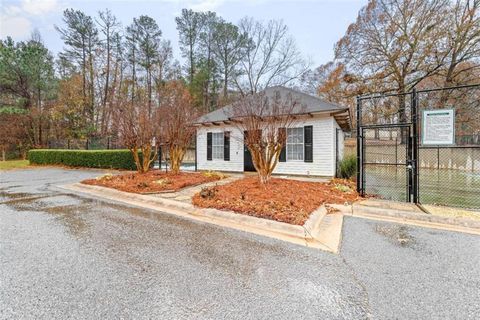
{"x": 315, "y": 24}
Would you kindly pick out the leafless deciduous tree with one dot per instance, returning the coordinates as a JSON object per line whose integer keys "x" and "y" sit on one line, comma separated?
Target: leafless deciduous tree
{"x": 12, "y": 132}
{"x": 395, "y": 40}
{"x": 178, "y": 113}
{"x": 265, "y": 120}
{"x": 138, "y": 127}
{"x": 272, "y": 57}
{"x": 461, "y": 42}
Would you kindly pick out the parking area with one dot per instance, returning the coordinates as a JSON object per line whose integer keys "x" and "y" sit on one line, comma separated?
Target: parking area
{"x": 66, "y": 256}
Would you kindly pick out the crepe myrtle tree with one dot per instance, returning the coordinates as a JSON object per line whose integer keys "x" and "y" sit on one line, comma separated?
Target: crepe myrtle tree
{"x": 178, "y": 114}
{"x": 265, "y": 120}
{"x": 138, "y": 127}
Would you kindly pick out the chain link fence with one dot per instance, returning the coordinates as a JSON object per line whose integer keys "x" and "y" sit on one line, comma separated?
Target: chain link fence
{"x": 100, "y": 143}
{"x": 449, "y": 175}
{"x": 394, "y": 161}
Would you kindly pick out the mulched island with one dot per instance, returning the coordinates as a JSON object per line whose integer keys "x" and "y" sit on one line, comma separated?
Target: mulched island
{"x": 154, "y": 181}
{"x": 284, "y": 200}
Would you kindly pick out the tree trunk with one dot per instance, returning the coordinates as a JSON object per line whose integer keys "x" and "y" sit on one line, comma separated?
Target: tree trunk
{"x": 225, "y": 84}
{"x": 192, "y": 65}
{"x": 176, "y": 158}
{"x": 136, "y": 158}
{"x": 92, "y": 90}
{"x": 146, "y": 153}
{"x": 84, "y": 76}
{"x": 149, "y": 89}
{"x": 147, "y": 158}
{"x": 107, "y": 83}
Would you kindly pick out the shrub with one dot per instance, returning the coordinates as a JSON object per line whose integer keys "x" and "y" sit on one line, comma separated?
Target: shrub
{"x": 214, "y": 174}
{"x": 107, "y": 159}
{"x": 343, "y": 188}
{"x": 208, "y": 192}
{"x": 348, "y": 167}
{"x": 105, "y": 177}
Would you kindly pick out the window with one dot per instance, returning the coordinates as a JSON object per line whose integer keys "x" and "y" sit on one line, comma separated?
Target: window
{"x": 217, "y": 145}
{"x": 295, "y": 143}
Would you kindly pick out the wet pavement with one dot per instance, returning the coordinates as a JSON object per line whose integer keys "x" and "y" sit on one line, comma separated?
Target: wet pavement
{"x": 67, "y": 256}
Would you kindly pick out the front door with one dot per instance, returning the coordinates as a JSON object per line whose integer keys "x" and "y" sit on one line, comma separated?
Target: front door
{"x": 247, "y": 156}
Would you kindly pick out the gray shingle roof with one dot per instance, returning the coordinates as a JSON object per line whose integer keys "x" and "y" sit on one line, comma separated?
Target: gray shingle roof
{"x": 310, "y": 104}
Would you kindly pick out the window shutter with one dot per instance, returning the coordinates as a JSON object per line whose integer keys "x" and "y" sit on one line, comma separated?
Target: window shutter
{"x": 226, "y": 146}
{"x": 209, "y": 146}
{"x": 308, "y": 143}
{"x": 283, "y": 153}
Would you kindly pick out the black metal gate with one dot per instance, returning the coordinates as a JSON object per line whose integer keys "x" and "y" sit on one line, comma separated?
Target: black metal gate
{"x": 386, "y": 165}
{"x": 396, "y": 161}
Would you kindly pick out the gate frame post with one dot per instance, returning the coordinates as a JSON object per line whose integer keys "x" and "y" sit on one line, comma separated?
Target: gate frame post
{"x": 415, "y": 146}
{"x": 196, "y": 161}
{"x": 359, "y": 149}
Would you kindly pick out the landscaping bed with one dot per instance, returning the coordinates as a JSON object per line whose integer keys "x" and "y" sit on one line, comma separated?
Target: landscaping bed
{"x": 154, "y": 181}
{"x": 284, "y": 200}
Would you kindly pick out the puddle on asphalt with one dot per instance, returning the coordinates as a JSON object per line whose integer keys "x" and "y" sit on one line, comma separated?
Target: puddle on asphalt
{"x": 395, "y": 234}
{"x": 65, "y": 208}
{"x": 78, "y": 214}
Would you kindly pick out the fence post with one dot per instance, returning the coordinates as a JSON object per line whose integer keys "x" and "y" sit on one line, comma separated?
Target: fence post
{"x": 108, "y": 143}
{"x": 396, "y": 149}
{"x": 438, "y": 157}
{"x": 415, "y": 153}
{"x": 159, "y": 156}
{"x": 473, "y": 159}
{"x": 86, "y": 145}
{"x": 359, "y": 149}
{"x": 195, "y": 137}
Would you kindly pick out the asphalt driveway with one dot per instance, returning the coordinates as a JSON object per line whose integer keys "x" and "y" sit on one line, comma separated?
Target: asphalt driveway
{"x": 66, "y": 256}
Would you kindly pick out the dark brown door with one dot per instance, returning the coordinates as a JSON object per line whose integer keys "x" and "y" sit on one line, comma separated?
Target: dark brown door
{"x": 247, "y": 156}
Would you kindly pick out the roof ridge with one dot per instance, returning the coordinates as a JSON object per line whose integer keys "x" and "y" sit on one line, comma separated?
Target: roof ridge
{"x": 306, "y": 94}
{"x": 313, "y": 103}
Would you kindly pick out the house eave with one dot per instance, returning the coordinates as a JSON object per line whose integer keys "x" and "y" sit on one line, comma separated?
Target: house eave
{"x": 229, "y": 121}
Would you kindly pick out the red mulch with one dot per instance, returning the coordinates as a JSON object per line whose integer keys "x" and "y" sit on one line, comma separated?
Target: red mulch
{"x": 283, "y": 200}
{"x": 152, "y": 181}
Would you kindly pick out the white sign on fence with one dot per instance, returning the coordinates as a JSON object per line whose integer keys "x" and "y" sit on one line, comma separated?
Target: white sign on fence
{"x": 438, "y": 126}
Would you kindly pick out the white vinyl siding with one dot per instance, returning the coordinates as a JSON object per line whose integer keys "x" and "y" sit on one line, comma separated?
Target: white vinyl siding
{"x": 323, "y": 149}
{"x": 295, "y": 142}
{"x": 217, "y": 145}
{"x": 236, "y": 150}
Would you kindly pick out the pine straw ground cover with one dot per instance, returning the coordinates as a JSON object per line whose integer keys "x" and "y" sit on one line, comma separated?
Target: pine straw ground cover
{"x": 154, "y": 181}
{"x": 284, "y": 200}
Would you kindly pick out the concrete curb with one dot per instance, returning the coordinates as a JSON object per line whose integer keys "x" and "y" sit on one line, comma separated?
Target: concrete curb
{"x": 310, "y": 234}
{"x": 414, "y": 218}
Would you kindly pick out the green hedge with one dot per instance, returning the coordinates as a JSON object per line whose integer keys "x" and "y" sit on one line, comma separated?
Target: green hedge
{"x": 348, "y": 167}
{"x": 111, "y": 159}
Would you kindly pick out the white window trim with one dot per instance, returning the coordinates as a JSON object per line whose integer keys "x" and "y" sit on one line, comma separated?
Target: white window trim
{"x": 222, "y": 145}
{"x": 302, "y": 143}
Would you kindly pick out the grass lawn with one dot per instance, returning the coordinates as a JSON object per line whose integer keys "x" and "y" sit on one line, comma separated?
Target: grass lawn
{"x": 14, "y": 164}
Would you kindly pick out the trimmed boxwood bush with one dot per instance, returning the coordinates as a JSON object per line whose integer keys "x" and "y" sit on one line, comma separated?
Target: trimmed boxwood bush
{"x": 108, "y": 159}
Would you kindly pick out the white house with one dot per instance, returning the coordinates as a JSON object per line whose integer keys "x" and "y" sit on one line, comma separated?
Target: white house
{"x": 314, "y": 142}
